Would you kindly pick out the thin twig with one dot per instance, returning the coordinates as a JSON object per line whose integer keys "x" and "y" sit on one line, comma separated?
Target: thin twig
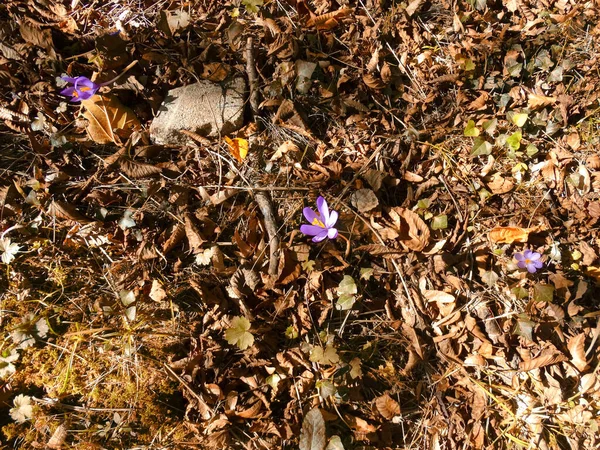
{"x": 263, "y": 199}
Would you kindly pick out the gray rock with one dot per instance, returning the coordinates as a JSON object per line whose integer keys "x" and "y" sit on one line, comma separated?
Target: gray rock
{"x": 206, "y": 108}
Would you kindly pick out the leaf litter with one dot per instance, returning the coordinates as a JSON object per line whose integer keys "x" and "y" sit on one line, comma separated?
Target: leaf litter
{"x": 164, "y": 295}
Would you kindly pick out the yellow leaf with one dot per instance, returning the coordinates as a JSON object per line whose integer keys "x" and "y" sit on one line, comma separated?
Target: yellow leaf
{"x": 238, "y": 333}
{"x": 519, "y": 119}
{"x": 108, "y": 119}
{"x": 238, "y": 148}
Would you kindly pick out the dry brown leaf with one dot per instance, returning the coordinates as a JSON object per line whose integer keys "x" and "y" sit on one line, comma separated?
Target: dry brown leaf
{"x": 438, "y": 296}
{"x": 312, "y": 436}
{"x": 480, "y": 102}
{"x": 576, "y": 347}
{"x": 360, "y": 426}
{"x": 509, "y": 235}
{"x": 329, "y": 20}
{"x": 414, "y": 233}
{"x": 194, "y": 238}
{"x": 594, "y": 272}
{"x": 387, "y": 407}
{"x": 543, "y": 360}
{"x": 413, "y": 7}
{"x": 108, "y": 119}
{"x": 58, "y": 437}
{"x": 374, "y": 82}
{"x": 537, "y": 101}
{"x": 136, "y": 169}
{"x": 589, "y": 254}
{"x": 175, "y": 237}
{"x": 62, "y": 210}
{"x": 500, "y": 185}
{"x": 157, "y": 292}
{"x": 364, "y": 200}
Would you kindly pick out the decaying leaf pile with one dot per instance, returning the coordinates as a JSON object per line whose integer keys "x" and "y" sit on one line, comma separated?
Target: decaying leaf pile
{"x": 155, "y": 301}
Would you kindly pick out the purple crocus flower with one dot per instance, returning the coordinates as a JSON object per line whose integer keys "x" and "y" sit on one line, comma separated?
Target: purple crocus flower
{"x": 321, "y": 223}
{"x": 529, "y": 260}
{"x": 83, "y": 88}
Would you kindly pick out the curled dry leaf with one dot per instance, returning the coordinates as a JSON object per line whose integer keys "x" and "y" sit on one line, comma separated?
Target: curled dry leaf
{"x": 134, "y": 169}
{"x": 109, "y": 121}
{"x": 500, "y": 185}
{"x": 414, "y": 233}
{"x": 387, "y": 406}
{"x": 509, "y": 235}
{"x": 576, "y": 347}
{"x": 545, "y": 359}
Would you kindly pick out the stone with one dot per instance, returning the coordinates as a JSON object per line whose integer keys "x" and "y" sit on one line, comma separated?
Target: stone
{"x": 207, "y": 108}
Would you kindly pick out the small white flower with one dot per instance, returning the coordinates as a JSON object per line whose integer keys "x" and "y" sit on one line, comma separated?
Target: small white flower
{"x": 6, "y": 364}
{"x": 23, "y": 409}
{"x": 9, "y": 250}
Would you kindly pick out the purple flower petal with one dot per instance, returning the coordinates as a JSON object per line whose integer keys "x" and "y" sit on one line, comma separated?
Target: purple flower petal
{"x": 332, "y": 233}
{"x": 310, "y": 215}
{"x": 68, "y": 92}
{"x": 333, "y": 217}
{"x": 312, "y": 230}
{"x": 534, "y": 256}
{"x": 519, "y": 257}
{"x": 69, "y": 79}
{"x": 323, "y": 209}
{"x": 320, "y": 237}
{"x": 538, "y": 264}
{"x": 531, "y": 268}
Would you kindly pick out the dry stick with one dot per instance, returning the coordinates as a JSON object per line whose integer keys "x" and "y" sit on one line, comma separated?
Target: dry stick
{"x": 262, "y": 198}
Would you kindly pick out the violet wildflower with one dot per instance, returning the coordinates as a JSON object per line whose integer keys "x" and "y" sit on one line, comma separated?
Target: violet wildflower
{"x": 83, "y": 88}
{"x": 529, "y": 260}
{"x": 321, "y": 222}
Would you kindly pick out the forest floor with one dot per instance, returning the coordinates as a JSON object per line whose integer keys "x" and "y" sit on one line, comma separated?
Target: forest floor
{"x": 163, "y": 296}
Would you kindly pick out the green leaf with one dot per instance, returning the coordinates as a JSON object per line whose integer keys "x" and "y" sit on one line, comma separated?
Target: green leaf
{"x": 471, "y": 129}
{"x": 238, "y": 333}
{"x": 273, "y": 380}
{"x": 543, "y": 293}
{"x": 347, "y": 286}
{"x": 346, "y": 291}
{"x": 531, "y": 150}
{"x": 515, "y": 70}
{"x": 366, "y": 273}
{"x": 481, "y": 147}
{"x": 514, "y": 141}
{"x": 345, "y": 302}
{"x": 439, "y": 222}
{"x": 326, "y": 388}
{"x": 519, "y": 119}
{"x": 520, "y": 292}
{"x": 252, "y": 5}
{"x": 291, "y": 332}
